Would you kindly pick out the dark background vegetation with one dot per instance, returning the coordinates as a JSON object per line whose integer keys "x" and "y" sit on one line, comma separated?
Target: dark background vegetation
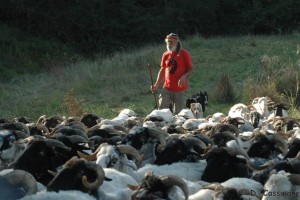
{"x": 102, "y": 26}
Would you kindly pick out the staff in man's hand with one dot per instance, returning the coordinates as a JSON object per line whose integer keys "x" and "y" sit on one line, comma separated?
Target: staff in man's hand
{"x": 155, "y": 100}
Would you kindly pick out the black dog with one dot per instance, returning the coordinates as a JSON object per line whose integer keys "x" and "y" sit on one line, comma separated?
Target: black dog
{"x": 201, "y": 98}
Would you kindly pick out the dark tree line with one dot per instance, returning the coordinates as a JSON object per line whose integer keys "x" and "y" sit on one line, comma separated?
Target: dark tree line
{"x": 108, "y": 25}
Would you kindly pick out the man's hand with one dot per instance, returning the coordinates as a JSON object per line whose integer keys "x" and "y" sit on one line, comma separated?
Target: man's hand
{"x": 153, "y": 88}
{"x": 181, "y": 81}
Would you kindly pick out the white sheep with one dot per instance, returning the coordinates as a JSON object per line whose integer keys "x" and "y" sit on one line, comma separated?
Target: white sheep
{"x": 117, "y": 188}
{"x": 261, "y": 105}
{"x": 188, "y": 171}
{"x": 185, "y": 170}
{"x": 247, "y": 188}
{"x": 282, "y": 186}
{"x": 217, "y": 117}
{"x": 62, "y": 195}
{"x": 186, "y": 113}
{"x": 177, "y": 120}
{"x": 128, "y": 112}
{"x": 194, "y": 112}
{"x": 239, "y": 110}
{"x": 163, "y": 114}
{"x": 192, "y": 124}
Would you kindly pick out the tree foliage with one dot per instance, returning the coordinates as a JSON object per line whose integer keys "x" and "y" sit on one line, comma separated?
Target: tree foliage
{"x": 105, "y": 26}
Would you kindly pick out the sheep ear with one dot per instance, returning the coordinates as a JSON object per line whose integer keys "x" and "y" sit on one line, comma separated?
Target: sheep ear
{"x": 133, "y": 187}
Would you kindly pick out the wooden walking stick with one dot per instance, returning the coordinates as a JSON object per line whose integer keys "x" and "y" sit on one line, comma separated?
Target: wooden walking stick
{"x": 155, "y": 100}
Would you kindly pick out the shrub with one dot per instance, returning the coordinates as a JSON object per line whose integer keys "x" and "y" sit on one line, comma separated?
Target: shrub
{"x": 72, "y": 104}
{"x": 224, "y": 91}
{"x": 277, "y": 79}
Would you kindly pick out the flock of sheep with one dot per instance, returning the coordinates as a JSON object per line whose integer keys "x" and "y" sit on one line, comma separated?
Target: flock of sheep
{"x": 251, "y": 152}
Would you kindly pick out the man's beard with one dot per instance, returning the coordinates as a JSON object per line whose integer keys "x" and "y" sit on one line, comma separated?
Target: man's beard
{"x": 171, "y": 48}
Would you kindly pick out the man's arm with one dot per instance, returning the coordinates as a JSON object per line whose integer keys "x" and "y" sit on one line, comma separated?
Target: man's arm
{"x": 160, "y": 78}
{"x": 185, "y": 76}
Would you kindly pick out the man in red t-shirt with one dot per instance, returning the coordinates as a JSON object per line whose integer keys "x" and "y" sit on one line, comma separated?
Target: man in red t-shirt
{"x": 176, "y": 67}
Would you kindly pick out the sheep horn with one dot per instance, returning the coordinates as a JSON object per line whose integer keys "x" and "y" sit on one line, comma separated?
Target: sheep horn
{"x": 127, "y": 149}
{"x": 173, "y": 136}
{"x": 73, "y": 119}
{"x": 77, "y": 139}
{"x": 41, "y": 119}
{"x": 180, "y": 130}
{"x": 280, "y": 142}
{"x": 92, "y": 156}
{"x": 239, "y": 151}
{"x": 295, "y": 159}
{"x": 120, "y": 128}
{"x": 270, "y": 163}
{"x": 297, "y": 123}
{"x": 21, "y": 134}
{"x": 22, "y": 126}
{"x": 56, "y": 143}
{"x": 99, "y": 179}
{"x": 11, "y": 165}
{"x": 298, "y": 156}
{"x": 133, "y": 187}
{"x": 157, "y": 134}
{"x": 96, "y": 139}
{"x": 55, "y": 129}
{"x": 52, "y": 173}
{"x": 257, "y": 132}
{"x": 57, "y": 118}
{"x": 72, "y": 162}
{"x": 77, "y": 124}
{"x": 27, "y": 140}
{"x": 230, "y": 135}
{"x": 208, "y": 151}
{"x": 90, "y": 130}
{"x": 191, "y": 141}
{"x": 80, "y": 131}
{"x": 294, "y": 179}
{"x": 114, "y": 139}
{"x": 43, "y": 128}
{"x": 255, "y": 100}
{"x": 227, "y": 127}
{"x": 174, "y": 180}
{"x": 233, "y": 129}
{"x": 20, "y": 177}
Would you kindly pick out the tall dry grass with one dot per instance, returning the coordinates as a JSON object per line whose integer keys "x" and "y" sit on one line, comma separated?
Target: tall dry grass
{"x": 277, "y": 79}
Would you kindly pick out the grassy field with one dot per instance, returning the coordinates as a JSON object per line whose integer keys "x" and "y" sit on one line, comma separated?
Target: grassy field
{"x": 106, "y": 85}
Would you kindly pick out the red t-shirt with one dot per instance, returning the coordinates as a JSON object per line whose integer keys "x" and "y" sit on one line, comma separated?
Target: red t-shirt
{"x": 175, "y": 65}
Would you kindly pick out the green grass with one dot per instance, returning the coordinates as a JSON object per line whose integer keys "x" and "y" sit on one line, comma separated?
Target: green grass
{"x": 106, "y": 85}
